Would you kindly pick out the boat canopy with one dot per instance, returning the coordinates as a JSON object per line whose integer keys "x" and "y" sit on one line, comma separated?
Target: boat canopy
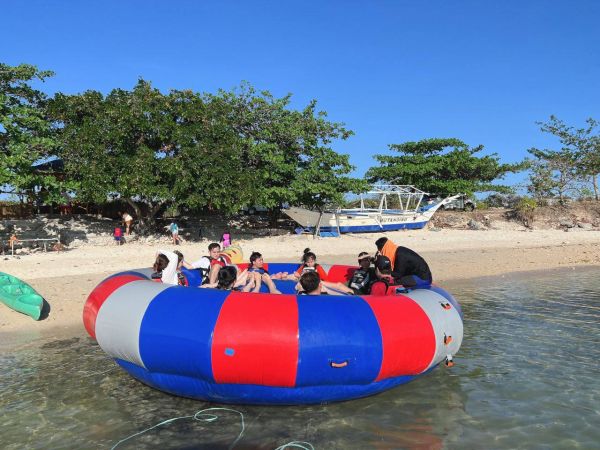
{"x": 390, "y": 197}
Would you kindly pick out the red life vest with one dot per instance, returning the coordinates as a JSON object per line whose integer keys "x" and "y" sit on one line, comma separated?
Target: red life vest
{"x": 391, "y": 286}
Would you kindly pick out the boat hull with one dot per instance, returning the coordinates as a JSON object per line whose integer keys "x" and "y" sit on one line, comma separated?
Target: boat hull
{"x": 18, "y": 295}
{"x": 358, "y": 222}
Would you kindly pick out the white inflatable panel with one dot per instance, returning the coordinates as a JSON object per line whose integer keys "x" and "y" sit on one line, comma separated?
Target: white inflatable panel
{"x": 444, "y": 321}
{"x": 120, "y": 318}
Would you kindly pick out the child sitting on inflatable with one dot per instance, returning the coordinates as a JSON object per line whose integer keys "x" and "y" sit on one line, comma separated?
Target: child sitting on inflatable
{"x": 310, "y": 284}
{"x": 309, "y": 264}
{"x": 209, "y": 265}
{"x": 229, "y": 279}
{"x": 260, "y": 274}
{"x": 361, "y": 280}
{"x": 167, "y": 266}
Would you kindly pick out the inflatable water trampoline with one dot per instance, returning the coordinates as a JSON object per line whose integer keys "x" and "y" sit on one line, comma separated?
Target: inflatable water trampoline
{"x": 261, "y": 348}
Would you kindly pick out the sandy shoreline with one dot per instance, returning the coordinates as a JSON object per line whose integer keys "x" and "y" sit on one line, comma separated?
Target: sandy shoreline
{"x": 65, "y": 279}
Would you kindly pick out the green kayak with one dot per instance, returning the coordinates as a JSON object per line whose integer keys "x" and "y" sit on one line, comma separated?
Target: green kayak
{"x": 19, "y": 296}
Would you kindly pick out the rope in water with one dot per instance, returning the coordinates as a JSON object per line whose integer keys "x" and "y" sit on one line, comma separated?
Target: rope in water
{"x": 204, "y": 416}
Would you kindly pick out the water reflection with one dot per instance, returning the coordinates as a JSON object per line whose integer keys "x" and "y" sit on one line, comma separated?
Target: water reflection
{"x": 526, "y": 377}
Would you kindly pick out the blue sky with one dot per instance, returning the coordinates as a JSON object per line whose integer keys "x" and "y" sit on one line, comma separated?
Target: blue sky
{"x": 393, "y": 71}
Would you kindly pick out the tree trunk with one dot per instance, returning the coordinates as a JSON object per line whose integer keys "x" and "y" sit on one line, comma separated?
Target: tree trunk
{"x": 274, "y": 215}
{"x": 595, "y": 184}
{"x": 146, "y": 223}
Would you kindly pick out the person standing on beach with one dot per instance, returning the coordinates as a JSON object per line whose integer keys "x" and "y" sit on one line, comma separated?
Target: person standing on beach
{"x": 118, "y": 235}
{"x": 408, "y": 267}
{"x": 127, "y": 221}
{"x": 174, "y": 229}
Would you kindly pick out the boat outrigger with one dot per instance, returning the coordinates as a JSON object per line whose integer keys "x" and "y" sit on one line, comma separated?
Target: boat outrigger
{"x": 399, "y": 207}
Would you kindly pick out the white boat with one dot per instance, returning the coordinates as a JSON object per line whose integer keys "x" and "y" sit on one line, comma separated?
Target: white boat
{"x": 399, "y": 207}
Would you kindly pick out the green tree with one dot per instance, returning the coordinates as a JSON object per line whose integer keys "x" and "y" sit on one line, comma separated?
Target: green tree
{"x": 220, "y": 151}
{"x": 26, "y": 135}
{"x": 553, "y": 173}
{"x": 288, "y": 151}
{"x": 150, "y": 149}
{"x": 444, "y": 165}
{"x": 579, "y": 158}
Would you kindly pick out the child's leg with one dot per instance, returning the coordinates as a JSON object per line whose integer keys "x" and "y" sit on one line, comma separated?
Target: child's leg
{"x": 214, "y": 273}
{"x": 257, "y": 281}
{"x": 269, "y": 282}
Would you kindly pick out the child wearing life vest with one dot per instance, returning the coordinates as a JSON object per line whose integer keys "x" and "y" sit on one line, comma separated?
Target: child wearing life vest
{"x": 118, "y": 235}
{"x": 257, "y": 270}
{"x": 210, "y": 264}
{"x": 362, "y": 277}
{"x": 309, "y": 264}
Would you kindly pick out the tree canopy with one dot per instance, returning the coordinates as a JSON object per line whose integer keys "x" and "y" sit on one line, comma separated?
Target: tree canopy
{"x": 441, "y": 165}
{"x": 576, "y": 163}
{"x": 26, "y": 135}
{"x": 218, "y": 151}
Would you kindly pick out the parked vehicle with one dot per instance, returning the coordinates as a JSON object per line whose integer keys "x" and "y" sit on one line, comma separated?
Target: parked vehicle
{"x": 254, "y": 209}
{"x": 461, "y": 203}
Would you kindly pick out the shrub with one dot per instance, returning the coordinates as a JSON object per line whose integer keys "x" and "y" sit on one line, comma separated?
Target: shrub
{"x": 525, "y": 211}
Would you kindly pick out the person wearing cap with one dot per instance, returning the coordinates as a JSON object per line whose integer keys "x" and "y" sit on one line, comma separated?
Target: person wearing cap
{"x": 408, "y": 267}
{"x": 362, "y": 277}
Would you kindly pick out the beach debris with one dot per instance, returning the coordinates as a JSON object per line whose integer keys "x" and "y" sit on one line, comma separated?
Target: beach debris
{"x": 474, "y": 225}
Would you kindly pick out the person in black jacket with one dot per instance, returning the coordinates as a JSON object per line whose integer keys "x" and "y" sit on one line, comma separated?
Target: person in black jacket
{"x": 408, "y": 267}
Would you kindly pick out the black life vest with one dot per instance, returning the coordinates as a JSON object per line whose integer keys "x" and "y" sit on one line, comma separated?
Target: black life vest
{"x": 181, "y": 279}
{"x": 360, "y": 280}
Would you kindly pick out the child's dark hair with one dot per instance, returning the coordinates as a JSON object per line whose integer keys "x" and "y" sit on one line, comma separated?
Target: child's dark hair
{"x": 179, "y": 256}
{"x": 226, "y": 277}
{"x": 213, "y": 245}
{"x": 310, "y": 281}
{"x": 307, "y": 255}
{"x": 253, "y": 257}
{"x": 161, "y": 263}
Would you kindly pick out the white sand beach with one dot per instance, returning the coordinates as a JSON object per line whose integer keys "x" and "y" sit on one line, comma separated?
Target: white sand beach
{"x": 65, "y": 279}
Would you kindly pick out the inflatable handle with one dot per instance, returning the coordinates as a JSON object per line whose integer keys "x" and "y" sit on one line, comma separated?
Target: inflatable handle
{"x": 339, "y": 365}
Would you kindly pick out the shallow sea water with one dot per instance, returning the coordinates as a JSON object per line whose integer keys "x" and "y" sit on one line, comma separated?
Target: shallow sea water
{"x": 527, "y": 376}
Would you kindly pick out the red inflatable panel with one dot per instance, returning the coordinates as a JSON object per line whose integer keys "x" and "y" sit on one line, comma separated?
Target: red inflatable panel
{"x": 341, "y": 273}
{"x": 99, "y": 295}
{"x": 407, "y": 335}
{"x": 255, "y": 340}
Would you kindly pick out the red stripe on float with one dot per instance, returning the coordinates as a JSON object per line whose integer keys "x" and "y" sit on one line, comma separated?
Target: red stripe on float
{"x": 407, "y": 335}
{"x": 99, "y": 295}
{"x": 255, "y": 340}
{"x": 244, "y": 266}
{"x": 340, "y": 273}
